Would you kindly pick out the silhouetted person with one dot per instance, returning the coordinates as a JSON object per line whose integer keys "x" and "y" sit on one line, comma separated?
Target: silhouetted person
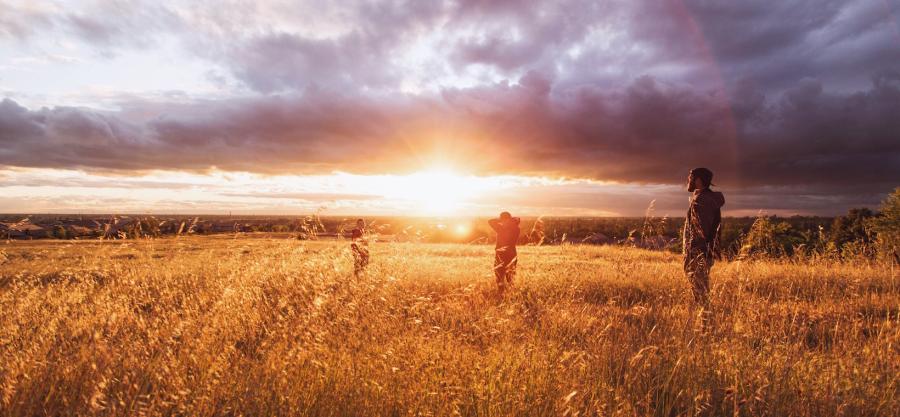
{"x": 702, "y": 233}
{"x": 360, "y": 247}
{"x": 505, "y": 256}
{"x": 536, "y": 237}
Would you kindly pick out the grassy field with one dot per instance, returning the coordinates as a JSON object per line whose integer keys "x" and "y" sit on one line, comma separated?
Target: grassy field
{"x": 221, "y": 326}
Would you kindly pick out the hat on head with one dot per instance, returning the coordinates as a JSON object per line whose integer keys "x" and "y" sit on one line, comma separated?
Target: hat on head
{"x": 704, "y": 174}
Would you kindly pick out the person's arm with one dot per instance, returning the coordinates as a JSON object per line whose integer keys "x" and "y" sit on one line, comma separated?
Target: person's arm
{"x": 495, "y": 224}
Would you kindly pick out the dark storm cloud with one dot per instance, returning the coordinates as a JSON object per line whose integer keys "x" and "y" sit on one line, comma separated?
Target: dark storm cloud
{"x": 796, "y": 94}
{"x": 648, "y": 133}
{"x": 778, "y": 44}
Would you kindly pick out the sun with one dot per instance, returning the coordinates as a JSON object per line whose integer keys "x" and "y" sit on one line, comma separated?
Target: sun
{"x": 436, "y": 191}
{"x": 462, "y": 229}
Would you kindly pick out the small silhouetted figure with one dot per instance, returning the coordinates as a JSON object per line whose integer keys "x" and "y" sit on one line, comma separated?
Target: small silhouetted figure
{"x": 702, "y": 233}
{"x": 360, "y": 247}
{"x": 505, "y": 256}
{"x": 536, "y": 237}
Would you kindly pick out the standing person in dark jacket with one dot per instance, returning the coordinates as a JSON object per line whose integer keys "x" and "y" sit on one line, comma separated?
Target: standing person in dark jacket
{"x": 505, "y": 256}
{"x": 359, "y": 247}
{"x": 701, "y": 233}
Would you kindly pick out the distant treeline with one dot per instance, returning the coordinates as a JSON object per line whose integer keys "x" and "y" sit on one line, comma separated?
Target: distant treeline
{"x": 556, "y": 230}
{"x": 862, "y": 232}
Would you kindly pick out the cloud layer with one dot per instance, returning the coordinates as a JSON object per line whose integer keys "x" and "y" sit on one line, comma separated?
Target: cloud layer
{"x": 801, "y": 94}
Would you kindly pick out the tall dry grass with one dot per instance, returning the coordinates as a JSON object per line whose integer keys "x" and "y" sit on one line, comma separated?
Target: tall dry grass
{"x": 209, "y": 326}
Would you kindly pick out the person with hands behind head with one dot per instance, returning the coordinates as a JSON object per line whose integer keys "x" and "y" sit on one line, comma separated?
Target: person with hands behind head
{"x": 505, "y": 256}
{"x": 360, "y": 247}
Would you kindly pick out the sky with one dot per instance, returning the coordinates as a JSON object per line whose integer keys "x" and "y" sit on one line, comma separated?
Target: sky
{"x": 465, "y": 107}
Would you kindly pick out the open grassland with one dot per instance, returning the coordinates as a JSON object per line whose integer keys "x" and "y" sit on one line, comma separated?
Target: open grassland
{"x": 216, "y": 326}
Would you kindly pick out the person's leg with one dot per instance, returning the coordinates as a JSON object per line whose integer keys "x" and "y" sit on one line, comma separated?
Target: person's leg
{"x": 511, "y": 266}
{"x": 702, "y": 293}
{"x": 358, "y": 259}
{"x": 499, "y": 271}
{"x": 689, "y": 267}
{"x": 696, "y": 267}
{"x": 364, "y": 257}
{"x": 701, "y": 284}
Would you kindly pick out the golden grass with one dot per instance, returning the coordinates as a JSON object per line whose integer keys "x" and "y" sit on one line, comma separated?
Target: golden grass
{"x": 214, "y": 326}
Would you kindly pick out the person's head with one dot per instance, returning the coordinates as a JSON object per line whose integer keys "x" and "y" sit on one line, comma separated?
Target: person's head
{"x": 505, "y": 216}
{"x": 699, "y": 178}
{"x": 360, "y": 223}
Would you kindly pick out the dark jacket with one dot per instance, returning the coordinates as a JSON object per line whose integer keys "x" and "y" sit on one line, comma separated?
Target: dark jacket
{"x": 507, "y": 232}
{"x": 704, "y": 218}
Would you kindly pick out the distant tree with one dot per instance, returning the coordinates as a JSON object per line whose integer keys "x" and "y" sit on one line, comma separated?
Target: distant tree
{"x": 149, "y": 227}
{"x": 850, "y": 235}
{"x": 59, "y": 232}
{"x": 770, "y": 239}
{"x": 851, "y": 227}
{"x": 887, "y": 227}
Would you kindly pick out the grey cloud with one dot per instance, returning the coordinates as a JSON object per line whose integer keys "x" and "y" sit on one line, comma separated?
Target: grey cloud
{"x": 362, "y": 56}
{"x": 752, "y": 30}
{"x": 102, "y": 182}
{"x": 61, "y": 136}
{"x": 107, "y": 25}
{"x": 692, "y": 42}
{"x": 516, "y": 35}
{"x": 649, "y": 132}
{"x": 277, "y": 62}
{"x": 782, "y": 43}
{"x": 20, "y": 25}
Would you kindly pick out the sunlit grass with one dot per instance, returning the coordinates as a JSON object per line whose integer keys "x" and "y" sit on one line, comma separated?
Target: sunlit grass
{"x": 200, "y": 326}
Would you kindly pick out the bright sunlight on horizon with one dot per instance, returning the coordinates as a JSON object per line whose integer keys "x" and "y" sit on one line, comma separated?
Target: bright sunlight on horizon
{"x": 438, "y": 191}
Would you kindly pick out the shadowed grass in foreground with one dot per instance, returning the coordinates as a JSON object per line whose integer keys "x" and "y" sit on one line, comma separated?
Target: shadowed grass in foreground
{"x": 212, "y": 326}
